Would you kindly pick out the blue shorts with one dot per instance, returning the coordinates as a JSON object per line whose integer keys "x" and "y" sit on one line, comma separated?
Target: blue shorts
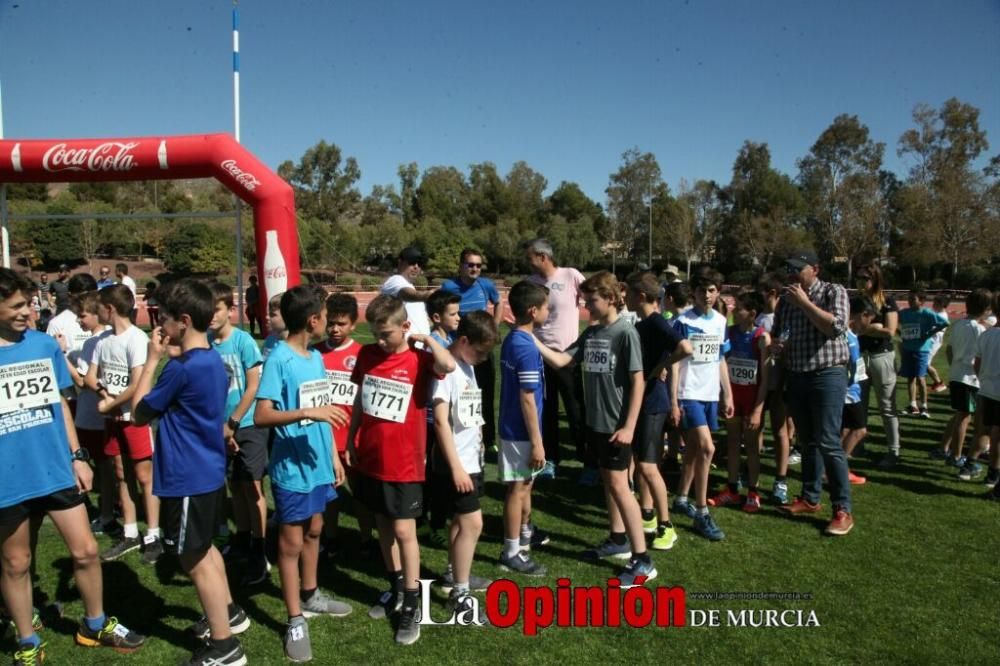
{"x": 698, "y": 413}
{"x": 294, "y": 507}
{"x": 913, "y": 364}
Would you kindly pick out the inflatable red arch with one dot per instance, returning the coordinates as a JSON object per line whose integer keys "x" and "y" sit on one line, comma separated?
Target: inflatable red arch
{"x": 216, "y": 156}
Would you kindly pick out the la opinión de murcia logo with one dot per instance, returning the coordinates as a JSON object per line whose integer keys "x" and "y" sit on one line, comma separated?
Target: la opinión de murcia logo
{"x": 110, "y": 156}
{"x": 247, "y": 180}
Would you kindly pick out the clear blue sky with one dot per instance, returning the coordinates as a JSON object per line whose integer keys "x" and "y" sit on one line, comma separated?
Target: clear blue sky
{"x": 565, "y": 86}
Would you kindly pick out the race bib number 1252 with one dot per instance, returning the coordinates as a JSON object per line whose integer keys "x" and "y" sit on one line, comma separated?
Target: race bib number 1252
{"x": 27, "y": 384}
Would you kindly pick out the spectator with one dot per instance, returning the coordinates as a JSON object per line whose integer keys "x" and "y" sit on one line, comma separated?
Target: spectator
{"x": 152, "y": 305}
{"x": 121, "y": 272}
{"x": 60, "y": 289}
{"x": 251, "y": 298}
{"x": 105, "y": 279}
{"x": 44, "y": 290}
{"x": 400, "y": 284}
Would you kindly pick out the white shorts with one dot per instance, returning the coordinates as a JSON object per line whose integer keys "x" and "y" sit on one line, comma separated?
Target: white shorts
{"x": 936, "y": 342}
{"x": 514, "y": 463}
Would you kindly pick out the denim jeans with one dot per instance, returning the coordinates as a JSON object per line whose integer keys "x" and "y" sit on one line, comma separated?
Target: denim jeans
{"x": 816, "y": 403}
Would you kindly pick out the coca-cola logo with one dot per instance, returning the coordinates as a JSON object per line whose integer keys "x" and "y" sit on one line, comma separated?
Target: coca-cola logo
{"x": 275, "y": 272}
{"x": 110, "y": 156}
{"x": 247, "y": 180}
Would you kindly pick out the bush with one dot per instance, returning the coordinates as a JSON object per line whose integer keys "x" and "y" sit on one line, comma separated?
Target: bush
{"x": 370, "y": 282}
{"x": 742, "y": 278}
{"x": 972, "y": 277}
{"x": 939, "y": 283}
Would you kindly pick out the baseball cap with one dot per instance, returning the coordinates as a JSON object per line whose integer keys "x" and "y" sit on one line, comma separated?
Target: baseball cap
{"x": 801, "y": 258}
{"x": 412, "y": 255}
{"x": 63, "y": 268}
{"x": 671, "y": 270}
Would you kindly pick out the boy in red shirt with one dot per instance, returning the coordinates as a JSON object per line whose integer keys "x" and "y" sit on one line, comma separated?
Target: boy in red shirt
{"x": 387, "y": 445}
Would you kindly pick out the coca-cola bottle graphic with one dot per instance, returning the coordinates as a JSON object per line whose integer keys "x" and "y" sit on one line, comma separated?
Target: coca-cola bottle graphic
{"x": 275, "y": 274}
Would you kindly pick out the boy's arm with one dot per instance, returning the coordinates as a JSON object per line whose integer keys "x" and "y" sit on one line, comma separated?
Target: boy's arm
{"x": 681, "y": 352}
{"x": 249, "y": 395}
{"x": 267, "y": 416}
{"x": 530, "y": 415}
{"x": 498, "y": 311}
{"x": 623, "y": 436}
{"x": 446, "y": 442}
{"x": 143, "y": 414}
{"x": 81, "y": 470}
{"x": 765, "y": 354}
{"x": 675, "y": 387}
{"x": 443, "y": 360}
{"x": 352, "y": 432}
{"x": 111, "y": 403}
{"x": 727, "y": 391}
{"x": 556, "y": 359}
{"x": 90, "y": 379}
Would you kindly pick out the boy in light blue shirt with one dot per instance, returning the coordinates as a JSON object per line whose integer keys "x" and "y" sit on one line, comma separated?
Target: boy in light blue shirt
{"x": 917, "y": 326}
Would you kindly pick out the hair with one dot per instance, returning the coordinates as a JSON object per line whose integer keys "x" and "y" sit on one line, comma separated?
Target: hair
{"x": 478, "y": 328}
{"x": 978, "y": 302}
{"x": 439, "y": 301}
{"x": 468, "y": 252}
{"x": 919, "y": 294}
{"x": 540, "y": 246}
{"x": 645, "y": 284}
{"x": 298, "y": 304}
{"x": 526, "y": 295}
{"x": 119, "y": 297}
{"x": 877, "y": 292}
{"x": 87, "y": 302}
{"x": 750, "y": 300}
{"x": 706, "y": 277}
{"x": 274, "y": 303}
{"x": 342, "y": 304}
{"x": 221, "y": 292}
{"x": 12, "y": 282}
{"x": 769, "y": 282}
{"x": 150, "y": 286}
{"x": 861, "y": 305}
{"x": 186, "y": 297}
{"x": 252, "y": 279}
{"x": 605, "y": 285}
{"x": 942, "y": 300}
{"x": 385, "y": 310}
{"x": 121, "y": 268}
{"x": 679, "y": 293}
{"x": 80, "y": 283}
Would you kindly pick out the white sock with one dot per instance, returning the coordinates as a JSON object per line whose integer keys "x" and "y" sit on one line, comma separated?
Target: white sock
{"x": 131, "y": 530}
{"x": 461, "y": 589}
{"x": 153, "y": 532}
{"x": 702, "y": 510}
{"x": 511, "y": 547}
{"x": 682, "y": 499}
{"x": 527, "y": 530}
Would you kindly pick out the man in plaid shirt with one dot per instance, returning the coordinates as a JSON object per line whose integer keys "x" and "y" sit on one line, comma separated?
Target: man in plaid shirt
{"x": 810, "y": 327}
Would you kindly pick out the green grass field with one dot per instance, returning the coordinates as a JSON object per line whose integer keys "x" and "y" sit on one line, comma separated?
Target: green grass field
{"x": 915, "y": 582}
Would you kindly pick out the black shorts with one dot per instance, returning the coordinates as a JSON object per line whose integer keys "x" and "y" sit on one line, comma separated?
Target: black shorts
{"x": 398, "y": 500}
{"x": 455, "y": 501}
{"x": 963, "y": 397}
{"x": 608, "y": 455}
{"x": 647, "y": 444}
{"x": 855, "y": 416}
{"x": 60, "y": 500}
{"x": 991, "y": 411}
{"x": 250, "y": 462}
{"x": 190, "y": 523}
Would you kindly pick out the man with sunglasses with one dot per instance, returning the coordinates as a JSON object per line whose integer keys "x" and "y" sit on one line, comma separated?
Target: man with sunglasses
{"x": 477, "y": 294}
{"x": 105, "y": 280}
{"x": 410, "y": 263}
{"x": 810, "y": 327}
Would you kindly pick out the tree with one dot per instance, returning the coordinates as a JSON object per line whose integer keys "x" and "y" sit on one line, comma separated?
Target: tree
{"x": 522, "y": 198}
{"x": 28, "y": 191}
{"x": 487, "y": 196}
{"x": 694, "y": 221}
{"x": 443, "y": 194}
{"x": 630, "y": 191}
{"x": 575, "y": 244}
{"x": 323, "y": 181}
{"x": 196, "y": 247}
{"x": 408, "y": 176}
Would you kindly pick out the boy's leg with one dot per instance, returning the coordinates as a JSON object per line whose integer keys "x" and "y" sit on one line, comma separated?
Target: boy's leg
{"x": 779, "y": 429}
{"x": 208, "y": 574}
{"x": 74, "y": 527}
{"x": 734, "y": 438}
{"x": 754, "y": 441}
{"x": 387, "y": 541}
{"x": 312, "y": 531}
{"x": 290, "y": 543}
{"x": 512, "y": 517}
{"x": 331, "y": 520}
{"x": 467, "y": 527}
{"x": 405, "y": 532}
{"x": 657, "y": 490}
{"x": 15, "y": 583}
{"x": 960, "y": 426}
{"x": 144, "y": 475}
{"x": 704, "y": 451}
{"x": 690, "y": 453}
{"x": 241, "y": 505}
{"x": 108, "y": 484}
{"x": 122, "y": 480}
{"x": 624, "y": 507}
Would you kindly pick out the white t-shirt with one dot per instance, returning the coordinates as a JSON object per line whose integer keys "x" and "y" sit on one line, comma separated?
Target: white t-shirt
{"x": 416, "y": 311}
{"x": 765, "y": 320}
{"x": 988, "y": 351}
{"x": 66, "y": 323}
{"x": 699, "y": 374}
{"x": 460, "y": 390}
{"x": 130, "y": 283}
{"x": 87, "y": 416}
{"x": 964, "y": 336}
{"x": 116, "y": 356}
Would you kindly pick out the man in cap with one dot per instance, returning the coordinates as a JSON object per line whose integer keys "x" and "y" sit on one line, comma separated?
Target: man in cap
{"x": 400, "y": 284}
{"x": 60, "y": 289}
{"x": 809, "y": 332}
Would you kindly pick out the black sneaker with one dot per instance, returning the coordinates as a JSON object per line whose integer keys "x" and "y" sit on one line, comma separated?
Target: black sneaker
{"x": 408, "y": 630}
{"x": 890, "y": 461}
{"x": 112, "y": 529}
{"x": 120, "y": 547}
{"x": 992, "y": 478}
{"x": 113, "y": 634}
{"x": 238, "y": 623}
{"x": 211, "y": 654}
{"x": 258, "y": 571}
{"x": 152, "y": 548}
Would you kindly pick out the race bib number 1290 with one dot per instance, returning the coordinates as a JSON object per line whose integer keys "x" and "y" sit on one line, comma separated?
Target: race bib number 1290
{"x": 27, "y": 384}
{"x": 315, "y": 393}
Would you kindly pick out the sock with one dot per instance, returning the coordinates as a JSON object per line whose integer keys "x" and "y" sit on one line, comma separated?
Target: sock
{"x": 647, "y": 515}
{"x": 619, "y": 538}
{"x": 734, "y": 487}
{"x": 153, "y": 532}
{"x": 95, "y": 623}
{"x": 460, "y": 589}
{"x": 410, "y": 599}
{"x": 511, "y": 547}
{"x": 225, "y": 643}
{"x": 702, "y": 510}
{"x": 526, "y": 531}
{"x": 779, "y": 479}
{"x": 642, "y": 557}
{"x": 296, "y": 619}
{"x": 396, "y": 581}
{"x": 306, "y": 595}
{"x": 682, "y": 499}
{"x": 33, "y": 640}
{"x": 665, "y": 525}
{"x": 131, "y": 530}
{"x": 924, "y": 406}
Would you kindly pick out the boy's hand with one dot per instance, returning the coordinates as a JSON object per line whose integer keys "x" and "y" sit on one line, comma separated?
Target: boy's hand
{"x": 84, "y": 476}
{"x": 462, "y": 481}
{"x": 331, "y": 414}
{"x": 61, "y": 339}
{"x": 157, "y": 343}
{"x": 675, "y": 416}
{"x": 537, "y": 456}
{"x": 352, "y": 455}
{"x": 752, "y": 420}
{"x": 728, "y": 409}
{"x": 231, "y": 446}
{"x": 339, "y": 475}
{"x": 416, "y": 337}
{"x": 622, "y": 437}
{"x": 104, "y": 405}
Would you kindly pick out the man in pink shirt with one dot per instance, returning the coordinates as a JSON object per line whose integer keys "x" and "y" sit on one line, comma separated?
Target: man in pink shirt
{"x": 561, "y": 329}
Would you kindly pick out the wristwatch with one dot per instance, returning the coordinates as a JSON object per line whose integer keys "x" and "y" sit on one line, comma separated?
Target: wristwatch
{"x": 233, "y": 424}
{"x": 81, "y": 454}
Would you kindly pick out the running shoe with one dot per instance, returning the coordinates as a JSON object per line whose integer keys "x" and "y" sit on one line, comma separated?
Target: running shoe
{"x": 113, "y": 634}
{"x": 609, "y": 548}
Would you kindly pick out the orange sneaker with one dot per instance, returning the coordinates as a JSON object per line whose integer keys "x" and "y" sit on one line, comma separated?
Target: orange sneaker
{"x": 725, "y": 498}
{"x": 800, "y": 506}
{"x": 855, "y": 479}
{"x": 841, "y": 524}
{"x": 752, "y": 505}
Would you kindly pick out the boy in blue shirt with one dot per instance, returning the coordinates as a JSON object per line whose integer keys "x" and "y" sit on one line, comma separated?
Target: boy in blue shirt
{"x": 189, "y": 463}
{"x": 854, "y": 424}
{"x": 294, "y": 399}
{"x": 43, "y": 471}
{"x": 917, "y": 326}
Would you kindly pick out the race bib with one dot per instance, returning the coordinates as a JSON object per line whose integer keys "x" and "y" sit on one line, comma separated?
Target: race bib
{"x": 342, "y": 389}
{"x": 706, "y": 347}
{"x": 314, "y": 393}
{"x": 860, "y": 371}
{"x": 911, "y": 331}
{"x": 385, "y": 399}
{"x": 470, "y": 408}
{"x": 76, "y": 343}
{"x": 26, "y": 385}
{"x": 742, "y": 371}
{"x": 597, "y": 356}
{"x": 115, "y": 377}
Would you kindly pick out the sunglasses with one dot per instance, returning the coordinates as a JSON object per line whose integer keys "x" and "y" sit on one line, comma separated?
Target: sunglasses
{"x": 469, "y": 265}
{"x": 792, "y": 270}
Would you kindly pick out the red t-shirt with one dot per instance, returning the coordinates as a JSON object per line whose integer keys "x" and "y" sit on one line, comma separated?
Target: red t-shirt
{"x": 339, "y": 364}
{"x": 392, "y": 439}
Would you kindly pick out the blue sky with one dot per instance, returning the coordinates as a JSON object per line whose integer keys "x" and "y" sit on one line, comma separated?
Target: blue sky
{"x": 565, "y": 86}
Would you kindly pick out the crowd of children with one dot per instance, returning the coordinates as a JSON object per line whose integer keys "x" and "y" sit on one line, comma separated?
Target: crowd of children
{"x": 399, "y": 422}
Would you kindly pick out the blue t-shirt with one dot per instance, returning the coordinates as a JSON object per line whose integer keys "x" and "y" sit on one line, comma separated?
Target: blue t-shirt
{"x": 853, "y": 376}
{"x": 301, "y": 459}
{"x": 658, "y": 339}
{"x": 917, "y": 325}
{"x": 475, "y": 296}
{"x": 190, "y": 398}
{"x": 34, "y": 449}
{"x": 270, "y": 342}
{"x": 239, "y": 353}
{"x": 521, "y": 369}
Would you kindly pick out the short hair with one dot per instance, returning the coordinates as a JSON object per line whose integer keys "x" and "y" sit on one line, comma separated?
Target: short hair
{"x": 119, "y": 297}
{"x": 121, "y": 268}
{"x": 478, "y": 328}
{"x": 861, "y": 305}
{"x": 750, "y": 300}
{"x": 919, "y": 294}
{"x": 540, "y": 246}
{"x": 679, "y": 293}
{"x": 645, "y": 284}
{"x": 439, "y": 301}
{"x": 706, "y": 277}
{"x": 605, "y": 285}
{"x": 221, "y": 292}
{"x": 526, "y": 295}
{"x": 770, "y": 282}
{"x": 978, "y": 302}
{"x": 252, "y": 279}
{"x": 274, "y": 303}
{"x": 80, "y": 283}
{"x": 298, "y": 304}
{"x": 187, "y": 297}
{"x": 385, "y": 309}
{"x": 12, "y": 282}
{"x": 85, "y": 303}
{"x": 468, "y": 252}
{"x": 942, "y": 300}
{"x": 342, "y": 304}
